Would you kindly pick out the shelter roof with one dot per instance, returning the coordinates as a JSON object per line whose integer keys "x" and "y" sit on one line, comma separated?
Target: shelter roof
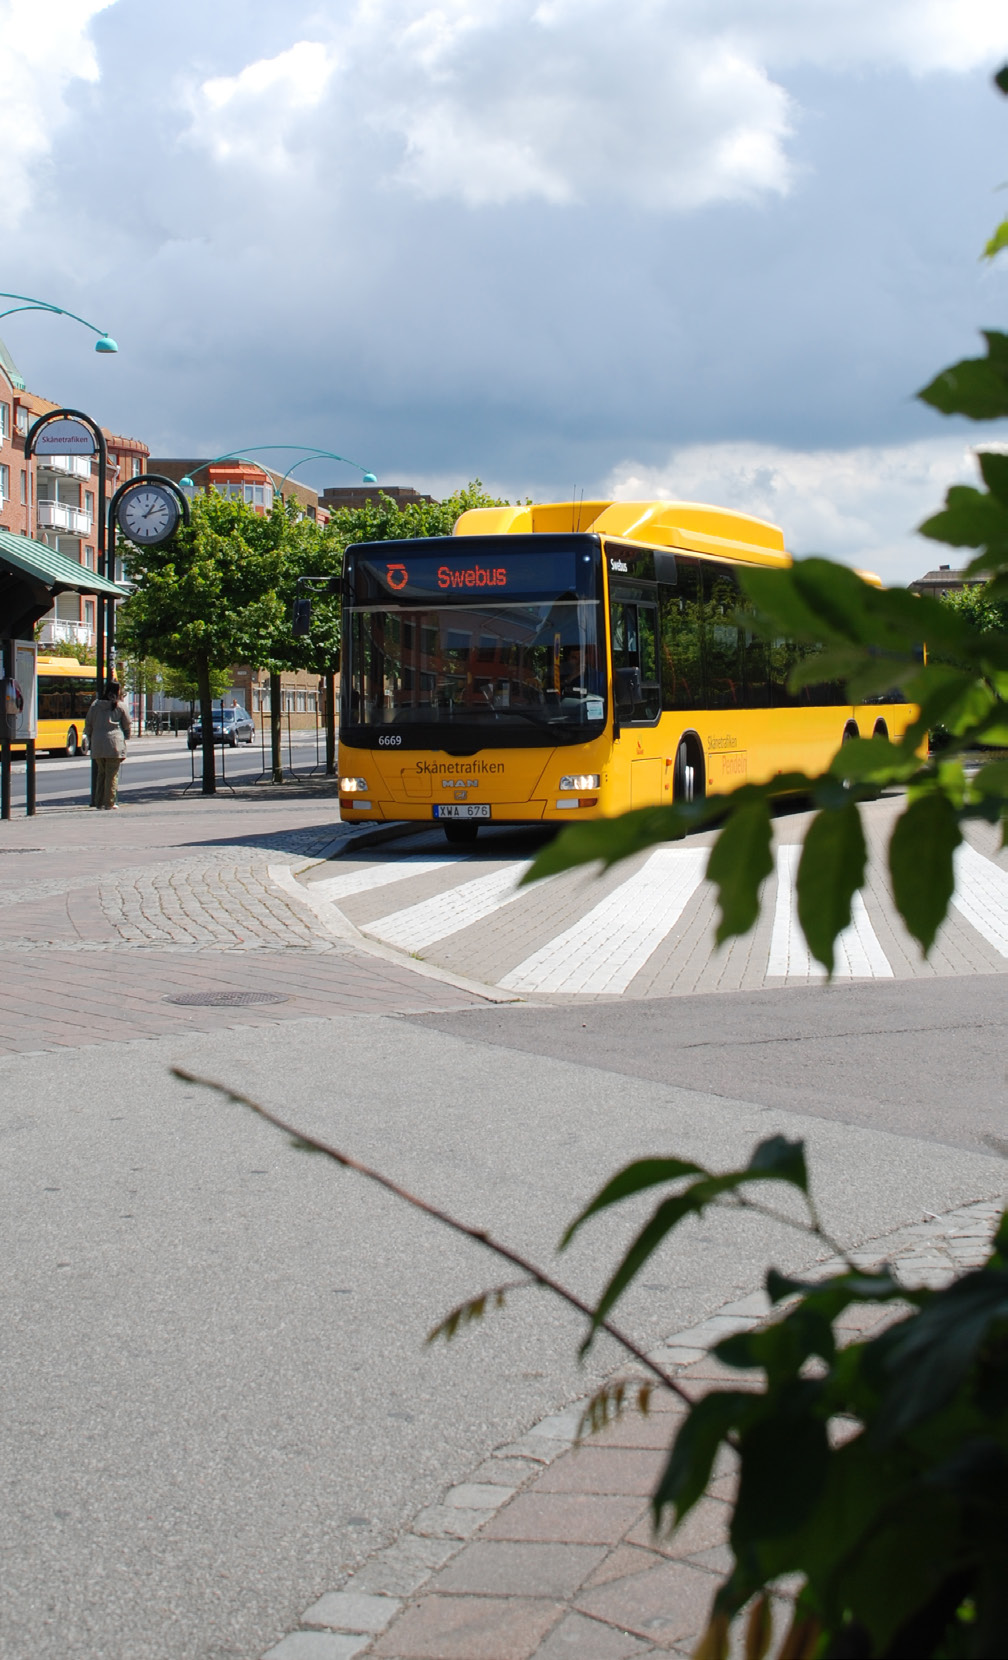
{"x": 54, "y": 570}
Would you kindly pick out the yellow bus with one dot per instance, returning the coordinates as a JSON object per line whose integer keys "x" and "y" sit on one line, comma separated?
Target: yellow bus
{"x": 66, "y": 689}
{"x": 571, "y": 660}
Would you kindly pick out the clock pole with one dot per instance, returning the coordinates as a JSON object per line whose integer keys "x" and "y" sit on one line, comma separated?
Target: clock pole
{"x": 71, "y": 432}
{"x": 143, "y": 482}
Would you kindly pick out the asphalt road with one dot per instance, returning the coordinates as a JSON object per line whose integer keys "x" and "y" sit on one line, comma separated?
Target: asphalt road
{"x": 151, "y": 764}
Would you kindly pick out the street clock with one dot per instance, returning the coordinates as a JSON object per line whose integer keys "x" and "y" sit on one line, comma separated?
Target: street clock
{"x": 148, "y": 513}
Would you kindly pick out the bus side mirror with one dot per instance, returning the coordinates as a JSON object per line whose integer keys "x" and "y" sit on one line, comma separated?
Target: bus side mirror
{"x": 301, "y": 618}
{"x": 628, "y": 690}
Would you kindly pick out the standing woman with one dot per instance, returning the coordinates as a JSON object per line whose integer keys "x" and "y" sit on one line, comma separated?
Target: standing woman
{"x": 107, "y": 726}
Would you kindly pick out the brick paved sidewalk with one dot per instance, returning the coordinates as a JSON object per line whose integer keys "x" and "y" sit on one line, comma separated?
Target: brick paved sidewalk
{"x": 547, "y": 1551}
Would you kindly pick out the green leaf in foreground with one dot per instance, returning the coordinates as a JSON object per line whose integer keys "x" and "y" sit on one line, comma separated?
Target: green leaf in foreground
{"x": 775, "y": 1159}
{"x": 608, "y": 840}
{"x": 998, "y": 241}
{"x": 739, "y": 861}
{"x": 920, "y": 862}
{"x": 634, "y": 1178}
{"x": 831, "y": 872}
{"x": 977, "y": 387}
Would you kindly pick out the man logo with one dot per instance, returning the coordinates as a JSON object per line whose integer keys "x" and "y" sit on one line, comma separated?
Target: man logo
{"x": 396, "y": 576}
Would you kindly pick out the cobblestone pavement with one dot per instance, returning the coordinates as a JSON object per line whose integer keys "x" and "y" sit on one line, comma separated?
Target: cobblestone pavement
{"x": 181, "y": 898}
{"x": 546, "y": 1551}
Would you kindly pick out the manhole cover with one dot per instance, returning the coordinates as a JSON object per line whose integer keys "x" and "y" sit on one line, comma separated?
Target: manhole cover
{"x": 224, "y": 999}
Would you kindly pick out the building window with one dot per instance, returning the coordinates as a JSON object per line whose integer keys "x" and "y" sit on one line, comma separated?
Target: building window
{"x": 89, "y": 502}
{"x": 4, "y": 481}
{"x": 24, "y": 488}
{"x": 89, "y": 615}
{"x": 137, "y": 467}
{"x": 21, "y": 419}
{"x": 89, "y": 558}
{"x": 299, "y": 703}
{"x": 4, "y": 422}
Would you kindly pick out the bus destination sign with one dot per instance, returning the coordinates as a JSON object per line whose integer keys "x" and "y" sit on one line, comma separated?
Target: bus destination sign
{"x": 472, "y": 575}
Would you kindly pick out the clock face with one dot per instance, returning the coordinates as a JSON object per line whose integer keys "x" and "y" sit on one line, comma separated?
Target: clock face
{"x": 148, "y": 514}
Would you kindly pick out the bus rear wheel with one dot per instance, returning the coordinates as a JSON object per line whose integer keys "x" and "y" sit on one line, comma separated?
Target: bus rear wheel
{"x": 689, "y": 781}
{"x": 460, "y": 830}
{"x": 72, "y": 745}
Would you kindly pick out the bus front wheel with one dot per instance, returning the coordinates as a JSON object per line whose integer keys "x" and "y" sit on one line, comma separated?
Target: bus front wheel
{"x": 460, "y": 830}
{"x": 688, "y": 779}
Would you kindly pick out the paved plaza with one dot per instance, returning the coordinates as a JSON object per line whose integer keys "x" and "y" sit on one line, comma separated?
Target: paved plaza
{"x": 223, "y": 1436}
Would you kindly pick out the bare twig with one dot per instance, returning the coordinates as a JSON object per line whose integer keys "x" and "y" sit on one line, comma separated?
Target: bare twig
{"x": 303, "y": 1139}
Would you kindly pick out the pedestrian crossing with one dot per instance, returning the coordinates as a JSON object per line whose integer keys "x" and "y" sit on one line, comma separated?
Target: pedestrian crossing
{"x": 857, "y": 952}
{"x": 647, "y": 928}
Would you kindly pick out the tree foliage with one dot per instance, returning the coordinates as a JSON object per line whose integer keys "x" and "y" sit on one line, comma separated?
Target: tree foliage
{"x": 199, "y": 599}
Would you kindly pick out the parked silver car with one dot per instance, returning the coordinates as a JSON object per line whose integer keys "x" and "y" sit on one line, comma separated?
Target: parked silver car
{"x": 230, "y": 726}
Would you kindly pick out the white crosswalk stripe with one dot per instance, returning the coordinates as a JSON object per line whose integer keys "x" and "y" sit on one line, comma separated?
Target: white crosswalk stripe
{"x": 376, "y": 876}
{"x": 418, "y": 926}
{"x": 858, "y": 954}
{"x": 610, "y": 944}
{"x": 981, "y": 896}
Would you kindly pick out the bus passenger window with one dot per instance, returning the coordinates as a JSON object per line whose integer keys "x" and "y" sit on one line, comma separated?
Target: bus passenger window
{"x": 635, "y": 660}
{"x": 725, "y": 685}
{"x": 681, "y": 637}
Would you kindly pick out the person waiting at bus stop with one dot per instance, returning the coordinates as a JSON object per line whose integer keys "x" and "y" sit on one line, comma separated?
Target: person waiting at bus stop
{"x": 107, "y": 726}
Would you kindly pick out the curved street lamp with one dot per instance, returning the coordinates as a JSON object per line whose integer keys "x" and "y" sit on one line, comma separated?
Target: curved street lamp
{"x": 104, "y": 342}
{"x": 315, "y": 455}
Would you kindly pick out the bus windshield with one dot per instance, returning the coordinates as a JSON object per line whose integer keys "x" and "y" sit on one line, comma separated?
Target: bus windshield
{"x": 523, "y": 663}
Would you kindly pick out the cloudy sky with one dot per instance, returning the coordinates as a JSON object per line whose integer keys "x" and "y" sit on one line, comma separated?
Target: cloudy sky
{"x": 694, "y": 248}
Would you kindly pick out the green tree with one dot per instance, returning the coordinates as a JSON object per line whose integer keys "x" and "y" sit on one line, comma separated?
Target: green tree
{"x": 304, "y": 549}
{"x": 194, "y": 599}
{"x": 980, "y": 607}
{"x": 384, "y": 520}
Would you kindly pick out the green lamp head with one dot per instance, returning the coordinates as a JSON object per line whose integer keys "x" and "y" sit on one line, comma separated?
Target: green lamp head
{"x": 187, "y": 483}
{"x": 369, "y": 478}
{"x": 105, "y": 343}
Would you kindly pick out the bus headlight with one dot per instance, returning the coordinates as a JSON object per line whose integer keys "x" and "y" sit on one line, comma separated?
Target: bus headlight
{"x": 352, "y": 786}
{"x": 580, "y": 781}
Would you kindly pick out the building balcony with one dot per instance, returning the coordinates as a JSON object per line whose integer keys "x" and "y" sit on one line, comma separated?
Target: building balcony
{"x": 55, "y": 631}
{"x": 57, "y": 515}
{"x": 68, "y": 466}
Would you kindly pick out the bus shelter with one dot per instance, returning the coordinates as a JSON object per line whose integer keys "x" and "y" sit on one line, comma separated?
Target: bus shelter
{"x": 31, "y": 576}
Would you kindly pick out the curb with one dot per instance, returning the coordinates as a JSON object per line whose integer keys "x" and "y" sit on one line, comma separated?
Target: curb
{"x": 343, "y": 930}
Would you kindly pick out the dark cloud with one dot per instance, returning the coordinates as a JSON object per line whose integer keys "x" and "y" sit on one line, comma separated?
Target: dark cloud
{"x": 442, "y": 277}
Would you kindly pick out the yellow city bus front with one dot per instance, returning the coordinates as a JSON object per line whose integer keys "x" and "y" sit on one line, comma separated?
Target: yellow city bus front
{"x": 474, "y": 683}
{"x": 513, "y": 677}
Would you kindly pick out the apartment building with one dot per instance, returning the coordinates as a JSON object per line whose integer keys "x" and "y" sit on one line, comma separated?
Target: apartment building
{"x": 54, "y": 498}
